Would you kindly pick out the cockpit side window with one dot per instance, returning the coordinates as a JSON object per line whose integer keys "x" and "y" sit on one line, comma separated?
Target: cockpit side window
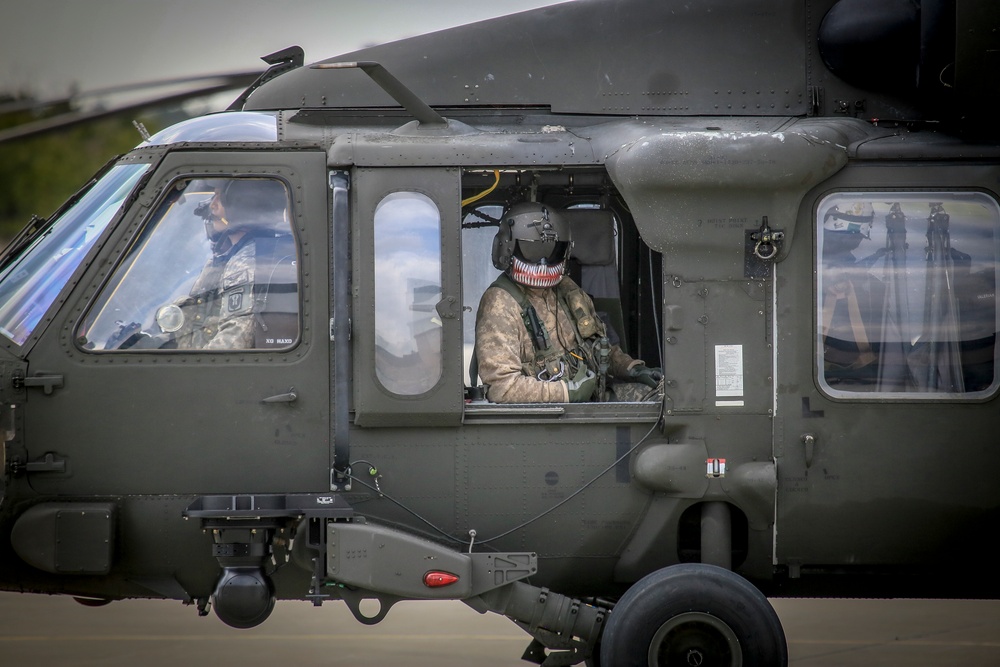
{"x": 906, "y": 294}
{"x": 215, "y": 269}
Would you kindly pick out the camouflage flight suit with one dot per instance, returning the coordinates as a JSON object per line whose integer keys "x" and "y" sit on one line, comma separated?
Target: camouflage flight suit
{"x": 507, "y": 357}
{"x": 219, "y": 311}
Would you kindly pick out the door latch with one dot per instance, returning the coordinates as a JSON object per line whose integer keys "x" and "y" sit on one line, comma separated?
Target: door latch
{"x": 48, "y": 463}
{"x": 47, "y": 381}
{"x": 809, "y": 442}
{"x": 289, "y": 396}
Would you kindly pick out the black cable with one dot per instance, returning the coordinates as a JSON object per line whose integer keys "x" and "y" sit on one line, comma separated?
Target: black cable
{"x": 562, "y": 502}
{"x": 383, "y": 494}
{"x": 585, "y": 486}
{"x": 652, "y": 298}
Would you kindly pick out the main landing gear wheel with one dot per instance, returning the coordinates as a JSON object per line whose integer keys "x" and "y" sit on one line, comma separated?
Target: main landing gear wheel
{"x": 693, "y": 615}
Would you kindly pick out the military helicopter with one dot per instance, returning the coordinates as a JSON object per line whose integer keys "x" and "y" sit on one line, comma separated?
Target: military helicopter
{"x": 792, "y": 208}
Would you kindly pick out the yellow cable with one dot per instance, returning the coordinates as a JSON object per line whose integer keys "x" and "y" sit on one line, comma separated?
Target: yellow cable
{"x": 475, "y": 198}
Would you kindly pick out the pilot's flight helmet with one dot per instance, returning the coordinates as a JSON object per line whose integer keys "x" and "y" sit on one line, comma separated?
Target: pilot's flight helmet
{"x": 533, "y": 243}
{"x": 857, "y": 219}
{"x": 255, "y": 202}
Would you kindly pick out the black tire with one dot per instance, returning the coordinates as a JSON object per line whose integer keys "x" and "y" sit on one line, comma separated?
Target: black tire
{"x": 92, "y": 602}
{"x": 693, "y": 614}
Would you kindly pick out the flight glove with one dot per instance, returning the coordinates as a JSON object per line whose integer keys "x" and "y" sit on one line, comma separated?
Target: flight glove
{"x": 650, "y": 377}
{"x": 581, "y": 387}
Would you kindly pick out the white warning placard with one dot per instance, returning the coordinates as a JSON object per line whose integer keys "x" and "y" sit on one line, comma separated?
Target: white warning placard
{"x": 728, "y": 370}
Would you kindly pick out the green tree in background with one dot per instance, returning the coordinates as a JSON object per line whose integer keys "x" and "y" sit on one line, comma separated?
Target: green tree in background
{"x": 38, "y": 173}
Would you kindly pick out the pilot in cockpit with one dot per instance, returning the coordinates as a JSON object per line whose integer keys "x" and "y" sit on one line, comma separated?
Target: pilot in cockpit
{"x": 243, "y": 220}
{"x": 538, "y": 336}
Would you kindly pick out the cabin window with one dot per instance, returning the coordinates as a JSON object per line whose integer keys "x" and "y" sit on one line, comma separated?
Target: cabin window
{"x": 215, "y": 269}
{"x": 32, "y": 280}
{"x": 408, "y": 274}
{"x": 906, "y": 294}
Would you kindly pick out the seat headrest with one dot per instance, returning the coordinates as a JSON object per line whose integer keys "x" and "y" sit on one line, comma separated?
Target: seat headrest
{"x": 593, "y": 235}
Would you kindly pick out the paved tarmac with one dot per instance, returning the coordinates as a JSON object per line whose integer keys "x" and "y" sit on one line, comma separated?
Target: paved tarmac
{"x": 47, "y": 631}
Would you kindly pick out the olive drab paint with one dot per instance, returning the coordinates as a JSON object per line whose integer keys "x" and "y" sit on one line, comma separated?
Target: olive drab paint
{"x": 203, "y": 404}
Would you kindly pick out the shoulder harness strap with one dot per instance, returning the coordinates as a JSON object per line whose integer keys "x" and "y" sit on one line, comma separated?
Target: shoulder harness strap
{"x": 539, "y": 335}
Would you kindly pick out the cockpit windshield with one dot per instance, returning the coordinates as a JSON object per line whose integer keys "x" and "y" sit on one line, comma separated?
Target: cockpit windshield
{"x": 31, "y": 281}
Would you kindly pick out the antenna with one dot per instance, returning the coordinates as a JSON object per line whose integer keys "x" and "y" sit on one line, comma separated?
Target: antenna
{"x": 280, "y": 62}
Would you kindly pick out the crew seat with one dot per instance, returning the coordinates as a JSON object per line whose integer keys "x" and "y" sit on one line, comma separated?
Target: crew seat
{"x": 593, "y": 265}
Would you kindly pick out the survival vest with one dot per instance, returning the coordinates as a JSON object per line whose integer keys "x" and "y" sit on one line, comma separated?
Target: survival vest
{"x": 553, "y": 363}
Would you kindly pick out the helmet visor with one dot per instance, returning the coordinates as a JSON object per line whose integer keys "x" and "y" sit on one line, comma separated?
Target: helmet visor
{"x": 541, "y": 252}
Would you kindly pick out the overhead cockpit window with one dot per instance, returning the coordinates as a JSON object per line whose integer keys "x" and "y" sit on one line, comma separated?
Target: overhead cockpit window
{"x": 32, "y": 279}
{"x": 907, "y": 303}
{"x": 407, "y": 291}
{"x": 233, "y": 126}
{"x": 214, "y": 269}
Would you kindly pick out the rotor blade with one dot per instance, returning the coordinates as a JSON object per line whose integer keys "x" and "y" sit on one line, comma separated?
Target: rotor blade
{"x": 227, "y": 82}
{"x": 237, "y": 79}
